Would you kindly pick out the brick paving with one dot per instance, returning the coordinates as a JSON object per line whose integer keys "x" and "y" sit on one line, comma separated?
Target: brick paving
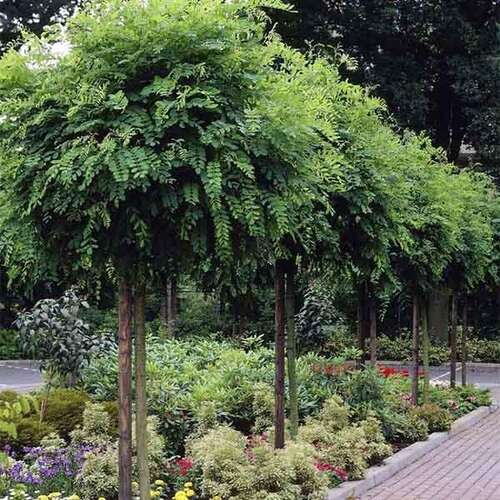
{"x": 466, "y": 467}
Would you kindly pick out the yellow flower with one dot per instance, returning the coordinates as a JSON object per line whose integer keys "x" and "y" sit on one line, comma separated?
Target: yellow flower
{"x": 216, "y": 498}
{"x": 101, "y": 498}
{"x": 180, "y": 495}
{"x": 189, "y": 493}
{"x": 188, "y": 485}
{"x": 55, "y": 494}
{"x": 135, "y": 484}
{"x": 159, "y": 482}
{"x": 74, "y": 497}
{"x": 154, "y": 493}
{"x": 43, "y": 497}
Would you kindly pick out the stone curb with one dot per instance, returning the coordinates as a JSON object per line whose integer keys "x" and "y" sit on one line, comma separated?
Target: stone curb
{"x": 379, "y": 473}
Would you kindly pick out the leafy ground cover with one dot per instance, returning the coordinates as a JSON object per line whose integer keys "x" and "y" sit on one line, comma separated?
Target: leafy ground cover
{"x": 210, "y": 433}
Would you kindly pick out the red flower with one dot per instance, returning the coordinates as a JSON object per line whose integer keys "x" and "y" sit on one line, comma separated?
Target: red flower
{"x": 326, "y": 467}
{"x": 388, "y": 371}
{"x": 185, "y": 464}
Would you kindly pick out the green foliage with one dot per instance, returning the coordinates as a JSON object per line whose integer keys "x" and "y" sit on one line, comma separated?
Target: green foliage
{"x": 195, "y": 381}
{"x": 99, "y": 475}
{"x": 402, "y": 428}
{"x": 364, "y": 387}
{"x": 351, "y": 447}
{"x": 10, "y": 345}
{"x": 315, "y": 317}
{"x": 437, "y": 419}
{"x": 232, "y": 470}
{"x": 54, "y": 332}
{"x": 64, "y": 410}
{"x": 11, "y": 410}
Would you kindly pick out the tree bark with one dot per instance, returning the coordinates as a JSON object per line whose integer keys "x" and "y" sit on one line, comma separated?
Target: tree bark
{"x": 125, "y": 391}
{"x": 424, "y": 308}
{"x": 141, "y": 431}
{"x": 373, "y": 332}
{"x": 453, "y": 341}
{"x": 415, "y": 350}
{"x": 291, "y": 351}
{"x": 279, "y": 382}
{"x": 171, "y": 306}
{"x": 465, "y": 326}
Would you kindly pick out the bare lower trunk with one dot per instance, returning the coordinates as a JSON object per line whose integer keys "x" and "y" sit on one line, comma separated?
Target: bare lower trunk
{"x": 172, "y": 306}
{"x": 465, "y": 326}
{"x": 361, "y": 323}
{"x": 424, "y": 311}
{"x": 291, "y": 352}
{"x": 141, "y": 431}
{"x": 279, "y": 382}
{"x": 125, "y": 391}
{"x": 415, "y": 350}
{"x": 373, "y": 332}
{"x": 453, "y": 341}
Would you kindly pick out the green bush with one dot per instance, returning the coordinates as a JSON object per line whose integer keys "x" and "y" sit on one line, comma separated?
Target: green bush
{"x": 364, "y": 386}
{"x": 194, "y": 380}
{"x": 402, "y": 428}
{"x": 10, "y": 345}
{"x": 64, "y": 410}
{"x": 8, "y": 396}
{"x": 30, "y": 431}
{"x": 232, "y": 469}
{"x": 437, "y": 419}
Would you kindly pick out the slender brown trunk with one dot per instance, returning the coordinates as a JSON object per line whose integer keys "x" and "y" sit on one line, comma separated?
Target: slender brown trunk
{"x": 373, "y": 332}
{"x": 125, "y": 391}
{"x": 424, "y": 311}
{"x": 415, "y": 351}
{"x": 465, "y": 326}
{"x": 291, "y": 352}
{"x": 361, "y": 324}
{"x": 453, "y": 341}
{"x": 279, "y": 382}
{"x": 163, "y": 313}
{"x": 172, "y": 306}
{"x": 141, "y": 430}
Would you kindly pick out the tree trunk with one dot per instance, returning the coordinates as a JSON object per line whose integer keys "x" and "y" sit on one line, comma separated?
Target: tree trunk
{"x": 465, "y": 326}
{"x": 163, "y": 314}
{"x": 291, "y": 352}
{"x": 373, "y": 332}
{"x": 141, "y": 431}
{"x": 453, "y": 341}
{"x": 279, "y": 382}
{"x": 125, "y": 391}
{"x": 172, "y": 306}
{"x": 424, "y": 308}
{"x": 415, "y": 349}
{"x": 361, "y": 323}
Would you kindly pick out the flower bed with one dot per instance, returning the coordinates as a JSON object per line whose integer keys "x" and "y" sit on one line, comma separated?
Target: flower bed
{"x": 219, "y": 400}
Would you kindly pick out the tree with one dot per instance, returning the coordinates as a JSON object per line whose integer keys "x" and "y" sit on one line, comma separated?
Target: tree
{"x": 167, "y": 130}
{"x": 435, "y": 63}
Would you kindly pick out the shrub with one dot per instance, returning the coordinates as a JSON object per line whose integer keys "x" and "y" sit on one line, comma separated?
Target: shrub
{"x": 8, "y": 396}
{"x": 234, "y": 469}
{"x": 402, "y": 428}
{"x": 30, "y": 431}
{"x": 64, "y": 410}
{"x": 10, "y": 344}
{"x": 437, "y": 419}
{"x": 364, "y": 386}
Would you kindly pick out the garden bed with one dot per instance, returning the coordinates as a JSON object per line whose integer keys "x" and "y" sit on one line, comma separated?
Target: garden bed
{"x": 377, "y": 474}
{"x": 211, "y": 407}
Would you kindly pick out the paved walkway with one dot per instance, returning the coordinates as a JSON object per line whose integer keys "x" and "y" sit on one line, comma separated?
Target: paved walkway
{"x": 466, "y": 467}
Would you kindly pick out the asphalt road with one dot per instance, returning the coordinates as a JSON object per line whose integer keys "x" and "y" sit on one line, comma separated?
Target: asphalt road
{"x": 19, "y": 376}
